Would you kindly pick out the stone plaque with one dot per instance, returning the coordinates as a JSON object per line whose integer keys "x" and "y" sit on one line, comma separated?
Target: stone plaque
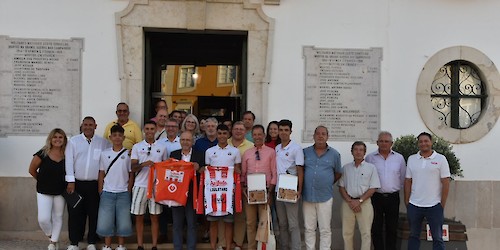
{"x": 342, "y": 92}
{"x": 40, "y": 85}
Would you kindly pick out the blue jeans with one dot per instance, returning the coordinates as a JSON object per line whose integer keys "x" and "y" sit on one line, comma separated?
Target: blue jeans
{"x": 114, "y": 215}
{"x": 178, "y": 215}
{"x": 435, "y": 218}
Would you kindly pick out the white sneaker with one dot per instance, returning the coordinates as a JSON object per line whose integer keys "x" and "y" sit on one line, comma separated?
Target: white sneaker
{"x": 91, "y": 247}
{"x": 120, "y": 248}
{"x": 220, "y": 248}
{"x": 106, "y": 248}
{"x": 51, "y": 246}
{"x": 237, "y": 248}
{"x": 73, "y": 247}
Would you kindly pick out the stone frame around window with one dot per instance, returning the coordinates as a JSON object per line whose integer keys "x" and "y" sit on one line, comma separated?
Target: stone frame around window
{"x": 491, "y": 109}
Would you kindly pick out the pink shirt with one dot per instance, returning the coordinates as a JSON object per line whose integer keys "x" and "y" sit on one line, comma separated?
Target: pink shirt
{"x": 266, "y": 164}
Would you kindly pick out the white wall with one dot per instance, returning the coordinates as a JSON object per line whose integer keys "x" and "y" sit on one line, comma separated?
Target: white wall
{"x": 92, "y": 20}
{"x": 408, "y": 31}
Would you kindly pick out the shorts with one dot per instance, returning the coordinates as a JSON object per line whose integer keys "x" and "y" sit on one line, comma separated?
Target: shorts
{"x": 226, "y": 218}
{"x": 114, "y": 217}
{"x": 140, "y": 201}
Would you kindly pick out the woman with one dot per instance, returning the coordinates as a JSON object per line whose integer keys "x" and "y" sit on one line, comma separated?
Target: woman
{"x": 191, "y": 124}
{"x": 202, "y": 127}
{"x": 272, "y": 138}
{"x": 47, "y": 167}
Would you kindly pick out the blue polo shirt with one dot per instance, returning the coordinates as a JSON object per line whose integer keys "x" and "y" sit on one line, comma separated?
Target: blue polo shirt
{"x": 203, "y": 143}
{"x": 319, "y": 174}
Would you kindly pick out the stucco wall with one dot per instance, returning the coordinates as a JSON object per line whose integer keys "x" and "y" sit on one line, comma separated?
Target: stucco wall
{"x": 407, "y": 38}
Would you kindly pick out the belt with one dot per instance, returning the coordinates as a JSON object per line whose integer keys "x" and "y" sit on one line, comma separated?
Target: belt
{"x": 85, "y": 180}
{"x": 388, "y": 194}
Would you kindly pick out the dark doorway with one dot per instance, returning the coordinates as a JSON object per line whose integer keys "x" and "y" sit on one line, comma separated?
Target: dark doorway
{"x": 201, "y": 72}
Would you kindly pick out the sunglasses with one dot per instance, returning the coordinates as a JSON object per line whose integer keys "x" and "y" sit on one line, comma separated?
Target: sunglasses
{"x": 257, "y": 155}
{"x": 149, "y": 150}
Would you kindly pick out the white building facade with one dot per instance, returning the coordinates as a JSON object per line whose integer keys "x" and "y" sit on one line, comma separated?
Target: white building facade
{"x": 415, "y": 36}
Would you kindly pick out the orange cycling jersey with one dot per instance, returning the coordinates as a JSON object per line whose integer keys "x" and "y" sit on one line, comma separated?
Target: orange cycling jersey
{"x": 169, "y": 182}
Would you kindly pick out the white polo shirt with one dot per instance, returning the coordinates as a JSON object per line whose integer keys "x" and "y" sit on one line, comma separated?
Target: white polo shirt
{"x": 116, "y": 181}
{"x": 157, "y": 153}
{"x": 222, "y": 157}
{"x": 426, "y": 174}
{"x": 288, "y": 157}
{"x": 172, "y": 145}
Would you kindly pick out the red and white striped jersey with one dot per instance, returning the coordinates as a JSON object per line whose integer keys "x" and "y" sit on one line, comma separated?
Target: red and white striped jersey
{"x": 221, "y": 190}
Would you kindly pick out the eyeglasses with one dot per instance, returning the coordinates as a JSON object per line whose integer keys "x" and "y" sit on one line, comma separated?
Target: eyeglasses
{"x": 149, "y": 150}
{"x": 257, "y": 155}
{"x": 190, "y": 122}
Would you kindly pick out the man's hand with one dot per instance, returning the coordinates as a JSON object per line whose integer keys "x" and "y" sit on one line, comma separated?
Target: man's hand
{"x": 355, "y": 205}
{"x": 245, "y": 192}
{"x": 70, "y": 188}
{"x": 196, "y": 166}
{"x": 147, "y": 163}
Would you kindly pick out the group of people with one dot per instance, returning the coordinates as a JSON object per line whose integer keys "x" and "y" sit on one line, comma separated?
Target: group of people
{"x": 111, "y": 173}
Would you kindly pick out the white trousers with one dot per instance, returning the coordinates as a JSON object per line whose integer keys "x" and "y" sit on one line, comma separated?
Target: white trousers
{"x": 318, "y": 213}
{"x": 50, "y": 214}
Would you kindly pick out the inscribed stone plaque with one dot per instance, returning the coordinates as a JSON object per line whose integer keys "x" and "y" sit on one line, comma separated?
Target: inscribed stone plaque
{"x": 40, "y": 85}
{"x": 342, "y": 93}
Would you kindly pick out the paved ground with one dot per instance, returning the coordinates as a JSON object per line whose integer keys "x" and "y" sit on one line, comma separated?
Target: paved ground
{"x": 23, "y": 244}
{"x": 42, "y": 244}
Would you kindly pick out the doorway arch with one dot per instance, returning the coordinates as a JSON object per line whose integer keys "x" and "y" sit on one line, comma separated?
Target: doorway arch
{"x": 193, "y": 15}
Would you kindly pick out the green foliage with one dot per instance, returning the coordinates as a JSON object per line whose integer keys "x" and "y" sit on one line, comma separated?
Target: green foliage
{"x": 407, "y": 145}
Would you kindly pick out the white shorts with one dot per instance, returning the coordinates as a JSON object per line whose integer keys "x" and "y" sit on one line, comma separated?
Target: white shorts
{"x": 140, "y": 201}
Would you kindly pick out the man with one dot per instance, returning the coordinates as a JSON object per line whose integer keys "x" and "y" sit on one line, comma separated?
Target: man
{"x": 144, "y": 155}
{"x": 426, "y": 188}
{"x": 133, "y": 133}
{"x": 186, "y": 153}
{"x": 82, "y": 171}
{"x": 222, "y": 154}
{"x": 239, "y": 141}
{"x": 161, "y": 120}
{"x": 210, "y": 138}
{"x": 391, "y": 169}
{"x": 183, "y": 115}
{"x": 259, "y": 159}
{"x": 248, "y": 120}
{"x": 160, "y": 105}
{"x": 172, "y": 141}
{"x": 177, "y": 115}
{"x": 289, "y": 160}
{"x": 202, "y": 144}
{"x": 357, "y": 184}
{"x": 322, "y": 168}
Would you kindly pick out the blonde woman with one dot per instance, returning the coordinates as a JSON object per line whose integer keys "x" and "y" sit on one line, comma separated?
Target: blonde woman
{"x": 47, "y": 167}
{"x": 192, "y": 125}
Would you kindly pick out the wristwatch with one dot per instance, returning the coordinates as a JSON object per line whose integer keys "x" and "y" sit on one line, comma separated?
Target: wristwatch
{"x": 360, "y": 200}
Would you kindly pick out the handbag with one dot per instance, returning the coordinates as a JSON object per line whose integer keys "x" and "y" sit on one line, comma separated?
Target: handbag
{"x": 271, "y": 240}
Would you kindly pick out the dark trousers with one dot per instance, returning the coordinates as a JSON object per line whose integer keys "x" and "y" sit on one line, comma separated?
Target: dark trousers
{"x": 435, "y": 218}
{"x": 385, "y": 211}
{"x": 88, "y": 207}
{"x": 178, "y": 214}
